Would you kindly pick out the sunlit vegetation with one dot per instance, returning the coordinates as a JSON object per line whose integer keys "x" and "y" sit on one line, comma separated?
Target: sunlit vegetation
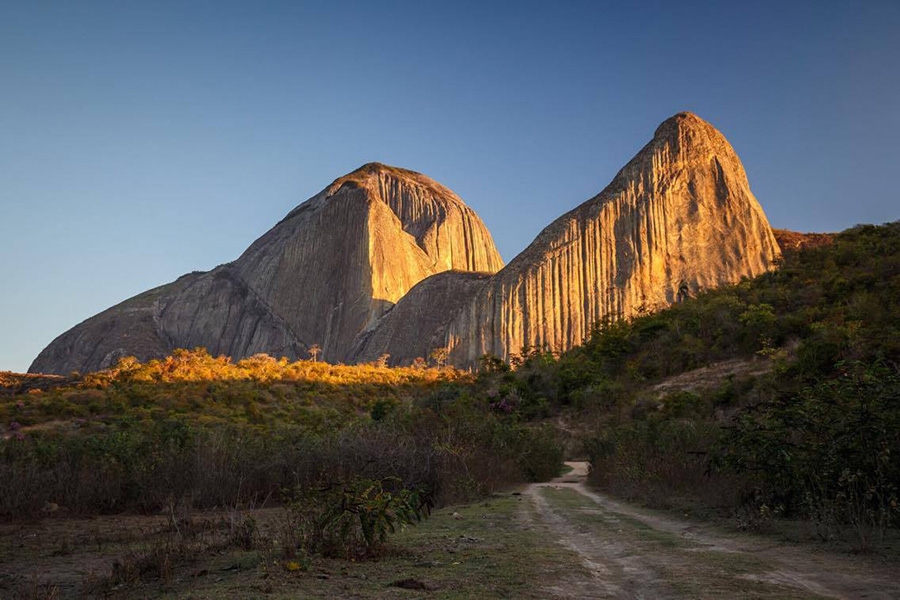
{"x": 196, "y": 387}
{"x": 208, "y": 432}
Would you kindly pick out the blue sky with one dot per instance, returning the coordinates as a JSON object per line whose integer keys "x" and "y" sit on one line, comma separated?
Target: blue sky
{"x": 140, "y": 141}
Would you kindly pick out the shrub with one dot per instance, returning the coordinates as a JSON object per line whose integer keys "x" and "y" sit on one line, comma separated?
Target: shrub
{"x": 353, "y": 518}
{"x": 827, "y": 453}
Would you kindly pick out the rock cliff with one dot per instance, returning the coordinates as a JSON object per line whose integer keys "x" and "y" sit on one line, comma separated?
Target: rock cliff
{"x": 678, "y": 218}
{"x": 323, "y": 275}
{"x": 387, "y": 261}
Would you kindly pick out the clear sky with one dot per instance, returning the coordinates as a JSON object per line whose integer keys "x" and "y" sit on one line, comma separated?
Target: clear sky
{"x": 143, "y": 140}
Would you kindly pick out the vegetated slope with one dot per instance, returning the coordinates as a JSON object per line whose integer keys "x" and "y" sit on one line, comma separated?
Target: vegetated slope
{"x": 204, "y": 431}
{"x": 813, "y": 438}
{"x": 18, "y": 383}
{"x": 678, "y": 218}
{"x": 321, "y": 276}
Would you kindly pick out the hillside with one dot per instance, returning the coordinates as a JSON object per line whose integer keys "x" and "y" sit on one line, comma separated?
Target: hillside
{"x": 724, "y": 372}
{"x": 777, "y": 397}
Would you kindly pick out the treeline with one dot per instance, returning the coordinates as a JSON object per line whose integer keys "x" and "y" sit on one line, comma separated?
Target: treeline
{"x": 804, "y": 422}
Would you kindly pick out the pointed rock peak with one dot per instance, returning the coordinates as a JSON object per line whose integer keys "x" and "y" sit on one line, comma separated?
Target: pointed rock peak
{"x": 694, "y": 141}
{"x": 681, "y": 123}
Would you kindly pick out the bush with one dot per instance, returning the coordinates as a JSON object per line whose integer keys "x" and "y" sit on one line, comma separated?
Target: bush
{"x": 828, "y": 453}
{"x": 144, "y": 463}
{"x": 353, "y": 519}
{"x": 660, "y": 461}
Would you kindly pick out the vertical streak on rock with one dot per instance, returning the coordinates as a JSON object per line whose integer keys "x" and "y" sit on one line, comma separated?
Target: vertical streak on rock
{"x": 680, "y": 213}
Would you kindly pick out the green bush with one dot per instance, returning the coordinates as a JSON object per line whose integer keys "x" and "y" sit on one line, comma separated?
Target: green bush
{"x": 353, "y": 519}
{"x": 829, "y": 452}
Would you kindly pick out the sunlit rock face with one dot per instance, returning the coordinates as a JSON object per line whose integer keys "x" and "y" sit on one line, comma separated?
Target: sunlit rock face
{"x": 323, "y": 275}
{"x": 387, "y": 261}
{"x": 678, "y": 218}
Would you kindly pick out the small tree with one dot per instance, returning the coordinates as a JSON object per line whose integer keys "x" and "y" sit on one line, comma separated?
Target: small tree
{"x": 382, "y": 361}
{"x": 440, "y": 356}
{"x": 314, "y": 351}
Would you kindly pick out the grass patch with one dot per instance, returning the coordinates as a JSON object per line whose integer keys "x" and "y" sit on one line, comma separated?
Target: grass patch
{"x": 483, "y": 550}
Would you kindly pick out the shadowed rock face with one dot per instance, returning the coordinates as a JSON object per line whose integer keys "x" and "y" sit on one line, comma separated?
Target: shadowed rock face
{"x": 322, "y": 275}
{"x": 386, "y": 261}
{"x": 418, "y": 323}
{"x": 678, "y": 218}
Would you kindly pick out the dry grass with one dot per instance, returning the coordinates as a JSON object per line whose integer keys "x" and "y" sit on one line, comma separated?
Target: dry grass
{"x": 484, "y": 551}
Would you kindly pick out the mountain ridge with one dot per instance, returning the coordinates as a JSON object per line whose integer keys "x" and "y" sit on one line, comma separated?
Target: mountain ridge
{"x": 677, "y": 218}
{"x": 350, "y": 269}
{"x": 320, "y": 276}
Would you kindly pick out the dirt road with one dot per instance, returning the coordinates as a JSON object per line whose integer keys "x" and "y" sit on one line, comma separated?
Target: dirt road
{"x": 632, "y": 553}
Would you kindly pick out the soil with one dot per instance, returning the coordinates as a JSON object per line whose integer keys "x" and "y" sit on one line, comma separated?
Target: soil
{"x": 635, "y": 553}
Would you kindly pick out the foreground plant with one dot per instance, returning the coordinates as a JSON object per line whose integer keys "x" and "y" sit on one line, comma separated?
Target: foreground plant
{"x": 355, "y": 518}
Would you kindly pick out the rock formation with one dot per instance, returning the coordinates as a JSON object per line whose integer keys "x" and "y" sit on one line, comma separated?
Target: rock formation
{"x": 386, "y": 261}
{"x": 325, "y": 273}
{"x": 418, "y": 324}
{"x": 678, "y": 218}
